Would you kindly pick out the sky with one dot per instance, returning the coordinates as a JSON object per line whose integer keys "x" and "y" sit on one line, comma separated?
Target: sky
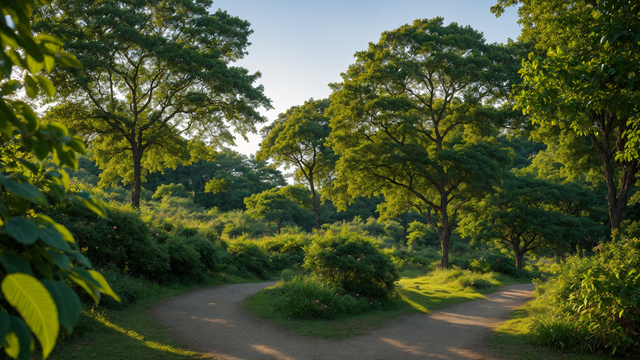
{"x": 301, "y": 46}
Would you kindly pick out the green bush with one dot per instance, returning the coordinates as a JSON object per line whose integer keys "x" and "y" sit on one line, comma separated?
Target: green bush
{"x": 353, "y": 263}
{"x": 206, "y": 249}
{"x": 185, "y": 261}
{"x": 313, "y": 298}
{"x": 497, "y": 262}
{"x": 130, "y": 289}
{"x": 601, "y": 296}
{"x": 248, "y": 257}
{"x": 121, "y": 239}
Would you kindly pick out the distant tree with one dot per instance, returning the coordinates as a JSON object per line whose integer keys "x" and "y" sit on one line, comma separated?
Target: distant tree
{"x": 411, "y": 120}
{"x": 223, "y": 182}
{"x": 155, "y": 73}
{"x": 525, "y": 214}
{"x": 277, "y": 205}
{"x": 170, "y": 190}
{"x": 297, "y": 139}
{"x": 583, "y": 77}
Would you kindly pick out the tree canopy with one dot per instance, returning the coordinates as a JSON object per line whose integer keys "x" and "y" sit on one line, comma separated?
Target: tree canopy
{"x": 583, "y": 76}
{"x": 411, "y": 121}
{"x": 156, "y": 85}
{"x": 297, "y": 139}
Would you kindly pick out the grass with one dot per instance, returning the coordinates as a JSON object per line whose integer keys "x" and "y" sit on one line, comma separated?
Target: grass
{"x": 419, "y": 293}
{"x": 129, "y": 333}
{"x": 512, "y": 339}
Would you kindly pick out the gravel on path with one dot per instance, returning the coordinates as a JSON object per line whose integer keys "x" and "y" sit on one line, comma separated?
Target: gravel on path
{"x": 211, "y": 321}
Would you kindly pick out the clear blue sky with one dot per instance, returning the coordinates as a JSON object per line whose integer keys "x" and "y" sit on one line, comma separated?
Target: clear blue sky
{"x": 301, "y": 46}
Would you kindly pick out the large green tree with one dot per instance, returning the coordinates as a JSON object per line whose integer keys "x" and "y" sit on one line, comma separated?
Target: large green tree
{"x": 155, "y": 73}
{"x": 524, "y": 213}
{"x": 297, "y": 139}
{"x": 583, "y": 76}
{"x": 410, "y": 121}
{"x": 278, "y": 205}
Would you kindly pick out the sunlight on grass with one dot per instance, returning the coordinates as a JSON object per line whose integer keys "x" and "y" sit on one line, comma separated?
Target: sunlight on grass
{"x": 152, "y": 344}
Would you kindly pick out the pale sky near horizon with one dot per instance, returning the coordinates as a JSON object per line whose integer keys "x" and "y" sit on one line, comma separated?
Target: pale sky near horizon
{"x": 301, "y": 46}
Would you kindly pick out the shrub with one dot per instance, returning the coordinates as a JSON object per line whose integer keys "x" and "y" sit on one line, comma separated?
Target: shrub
{"x": 185, "y": 261}
{"x": 247, "y": 256}
{"x": 130, "y": 289}
{"x": 496, "y": 262}
{"x": 121, "y": 239}
{"x": 353, "y": 263}
{"x": 600, "y": 294}
{"x": 206, "y": 249}
{"x": 313, "y": 298}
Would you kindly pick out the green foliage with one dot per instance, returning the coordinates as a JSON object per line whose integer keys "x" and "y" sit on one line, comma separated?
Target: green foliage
{"x": 353, "y": 263}
{"x": 184, "y": 261}
{"x": 38, "y": 256}
{"x": 601, "y": 296}
{"x": 311, "y": 298}
{"x": 297, "y": 139}
{"x": 122, "y": 239}
{"x": 248, "y": 257}
{"x": 285, "y": 251}
{"x": 177, "y": 190}
{"x": 130, "y": 289}
{"x": 277, "y": 205}
{"x": 410, "y": 136}
{"x": 179, "y": 57}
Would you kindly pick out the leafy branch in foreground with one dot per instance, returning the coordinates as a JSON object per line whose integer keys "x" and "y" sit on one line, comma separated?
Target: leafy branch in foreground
{"x": 38, "y": 255}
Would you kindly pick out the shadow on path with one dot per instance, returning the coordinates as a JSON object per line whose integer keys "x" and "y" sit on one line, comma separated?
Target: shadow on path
{"x": 210, "y": 321}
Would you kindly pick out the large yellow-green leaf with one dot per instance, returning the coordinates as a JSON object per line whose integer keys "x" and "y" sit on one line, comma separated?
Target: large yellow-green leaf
{"x": 36, "y": 306}
{"x": 104, "y": 286}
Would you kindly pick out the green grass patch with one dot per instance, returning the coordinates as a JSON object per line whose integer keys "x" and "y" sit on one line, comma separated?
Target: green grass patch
{"x": 419, "y": 293}
{"x": 129, "y": 333}
{"x": 512, "y": 339}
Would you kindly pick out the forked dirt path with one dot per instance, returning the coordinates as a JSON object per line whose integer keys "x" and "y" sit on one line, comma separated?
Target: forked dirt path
{"x": 211, "y": 321}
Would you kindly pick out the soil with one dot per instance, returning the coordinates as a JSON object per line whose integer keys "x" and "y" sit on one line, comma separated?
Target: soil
{"x": 212, "y": 321}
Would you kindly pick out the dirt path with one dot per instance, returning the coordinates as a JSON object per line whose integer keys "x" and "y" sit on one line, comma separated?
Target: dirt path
{"x": 210, "y": 321}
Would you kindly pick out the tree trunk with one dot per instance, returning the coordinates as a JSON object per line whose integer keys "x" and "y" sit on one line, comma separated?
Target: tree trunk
{"x": 558, "y": 253}
{"x": 519, "y": 258}
{"x": 137, "y": 180}
{"x": 445, "y": 237}
{"x": 314, "y": 204}
{"x": 278, "y": 226}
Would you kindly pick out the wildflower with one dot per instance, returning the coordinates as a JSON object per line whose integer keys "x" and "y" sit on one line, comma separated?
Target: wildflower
{"x": 115, "y": 228}
{"x": 157, "y": 234}
{"x": 472, "y": 283}
{"x": 325, "y": 306}
{"x": 357, "y": 294}
{"x": 315, "y": 258}
{"x": 358, "y": 259}
{"x": 151, "y": 230}
{"x": 317, "y": 300}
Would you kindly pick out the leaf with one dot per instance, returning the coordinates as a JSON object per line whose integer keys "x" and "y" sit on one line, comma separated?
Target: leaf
{"x": 4, "y": 323}
{"x": 22, "y": 230}
{"x": 62, "y": 260}
{"x": 34, "y": 303}
{"x": 88, "y": 285}
{"x": 33, "y": 65}
{"x": 31, "y": 86}
{"x": 104, "y": 286}
{"x": 81, "y": 258}
{"x": 52, "y": 238}
{"x": 14, "y": 263}
{"x": 24, "y": 190}
{"x": 67, "y": 302}
{"x": 46, "y": 85}
{"x": 18, "y": 342}
{"x": 34, "y": 168}
{"x": 66, "y": 235}
{"x": 92, "y": 203}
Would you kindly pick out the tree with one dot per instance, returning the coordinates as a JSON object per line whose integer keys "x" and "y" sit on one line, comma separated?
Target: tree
{"x": 525, "y": 214}
{"x": 297, "y": 139}
{"x": 38, "y": 256}
{"x": 155, "y": 73}
{"x": 584, "y": 78}
{"x": 410, "y": 120}
{"x": 277, "y": 205}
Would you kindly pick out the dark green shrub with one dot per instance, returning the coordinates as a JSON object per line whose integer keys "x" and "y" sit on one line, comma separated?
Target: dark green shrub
{"x": 248, "y": 256}
{"x": 497, "y": 263}
{"x": 187, "y": 231}
{"x": 185, "y": 261}
{"x": 121, "y": 239}
{"x": 312, "y": 298}
{"x": 353, "y": 263}
{"x": 206, "y": 249}
{"x": 600, "y": 294}
{"x": 286, "y": 250}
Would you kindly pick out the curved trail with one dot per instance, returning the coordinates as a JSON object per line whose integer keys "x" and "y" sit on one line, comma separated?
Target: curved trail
{"x": 211, "y": 321}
